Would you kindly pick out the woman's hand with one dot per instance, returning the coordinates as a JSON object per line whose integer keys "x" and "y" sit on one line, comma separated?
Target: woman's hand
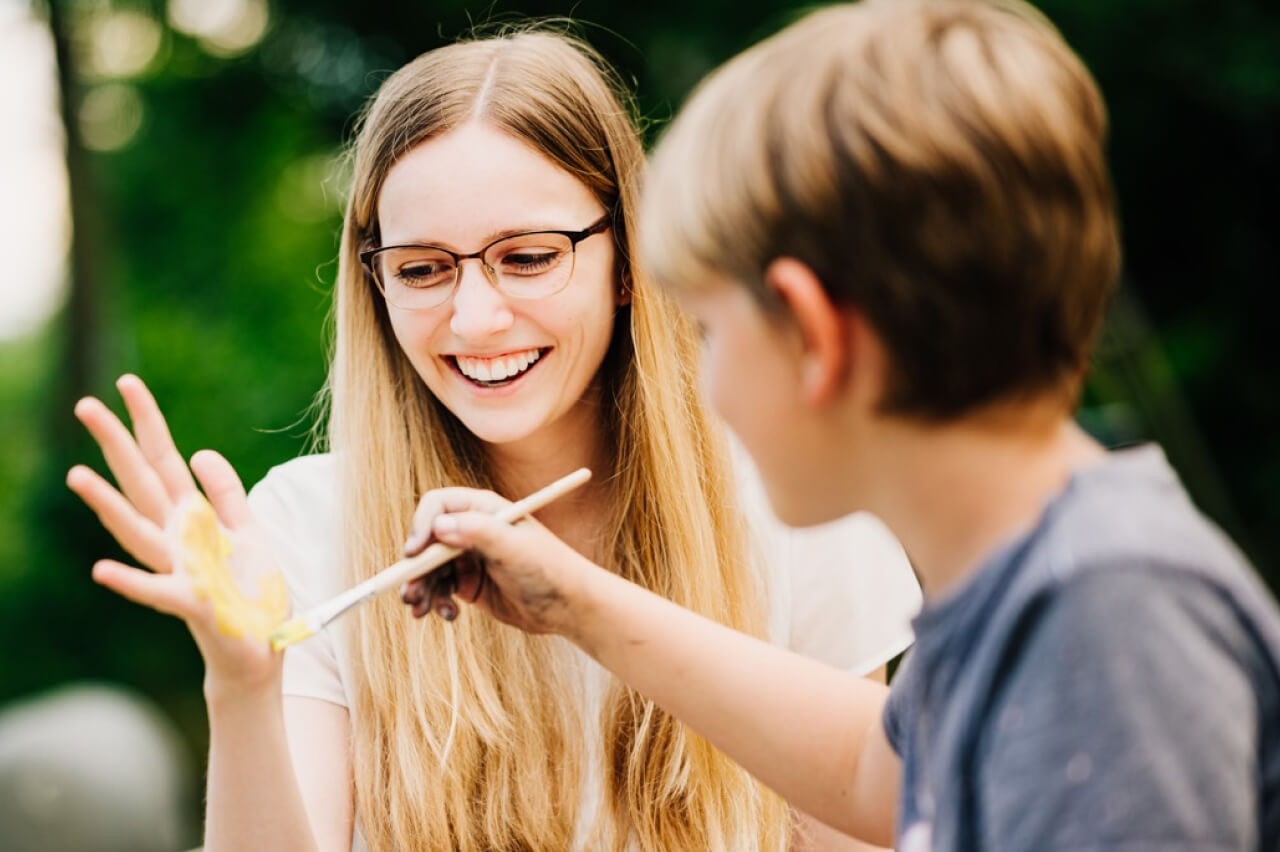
{"x": 153, "y": 481}
{"x": 519, "y": 573}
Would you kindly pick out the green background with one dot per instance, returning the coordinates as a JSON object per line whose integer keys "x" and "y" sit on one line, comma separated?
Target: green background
{"x": 204, "y": 254}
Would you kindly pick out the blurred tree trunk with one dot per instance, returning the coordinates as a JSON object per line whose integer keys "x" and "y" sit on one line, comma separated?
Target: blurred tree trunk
{"x": 83, "y": 337}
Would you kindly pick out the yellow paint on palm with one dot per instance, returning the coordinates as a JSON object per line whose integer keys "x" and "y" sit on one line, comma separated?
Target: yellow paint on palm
{"x": 206, "y": 557}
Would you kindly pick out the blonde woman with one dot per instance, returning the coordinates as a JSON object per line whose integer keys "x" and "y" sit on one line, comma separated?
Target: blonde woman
{"x": 492, "y": 330}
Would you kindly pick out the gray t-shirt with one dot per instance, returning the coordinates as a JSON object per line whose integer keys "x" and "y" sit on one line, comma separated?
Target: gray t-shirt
{"x": 1110, "y": 681}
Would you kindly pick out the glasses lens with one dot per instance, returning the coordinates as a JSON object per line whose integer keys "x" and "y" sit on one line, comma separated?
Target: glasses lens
{"x": 531, "y": 266}
{"x": 414, "y": 277}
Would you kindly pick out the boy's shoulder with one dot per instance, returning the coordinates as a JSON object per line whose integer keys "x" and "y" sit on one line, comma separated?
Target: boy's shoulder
{"x": 1130, "y": 510}
{"x": 1125, "y": 529}
{"x": 1137, "y": 661}
{"x": 1098, "y": 677}
{"x": 1124, "y": 576}
{"x": 1123, "y": 544}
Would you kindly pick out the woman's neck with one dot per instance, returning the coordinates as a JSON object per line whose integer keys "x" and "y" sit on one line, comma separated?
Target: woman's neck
{"x": 576, "y": 440}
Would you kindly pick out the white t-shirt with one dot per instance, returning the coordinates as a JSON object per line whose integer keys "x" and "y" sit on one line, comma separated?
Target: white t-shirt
{"x": 842, "y": 593}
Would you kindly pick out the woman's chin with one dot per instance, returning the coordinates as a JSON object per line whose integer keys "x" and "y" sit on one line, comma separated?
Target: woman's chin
{"x": 498, "y": 434}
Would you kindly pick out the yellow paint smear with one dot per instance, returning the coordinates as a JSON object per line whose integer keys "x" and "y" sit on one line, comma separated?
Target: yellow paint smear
{"x": 206, "y": 558}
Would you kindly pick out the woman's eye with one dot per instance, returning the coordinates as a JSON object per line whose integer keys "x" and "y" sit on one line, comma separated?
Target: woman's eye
{"x": 529, "y": 262}
{"x": 425, "y": 275}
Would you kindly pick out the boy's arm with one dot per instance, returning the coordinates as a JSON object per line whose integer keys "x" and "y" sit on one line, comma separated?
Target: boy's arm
{"x": 810, "y": 732}
{"x": 1125, "y": 720}
{"x": 811, "y": 835}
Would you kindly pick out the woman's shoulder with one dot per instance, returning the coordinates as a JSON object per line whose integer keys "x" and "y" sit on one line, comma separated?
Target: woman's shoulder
{"x": 301, "y": 472}
{"x": 842, "y": 592}
{"x": 304, "y": 484}
{"x": 297, "y": 505}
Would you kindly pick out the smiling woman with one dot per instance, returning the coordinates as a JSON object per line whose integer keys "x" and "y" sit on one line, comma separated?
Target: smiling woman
{"x": 468, "y": 327}
{"x": 492, "y": 331}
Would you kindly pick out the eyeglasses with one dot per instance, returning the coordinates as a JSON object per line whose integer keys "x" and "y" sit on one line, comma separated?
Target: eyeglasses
{"x": 528, "y": 265}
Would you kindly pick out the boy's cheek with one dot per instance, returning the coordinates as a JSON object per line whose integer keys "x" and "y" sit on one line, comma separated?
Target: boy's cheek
{"x": 718, "y": 382}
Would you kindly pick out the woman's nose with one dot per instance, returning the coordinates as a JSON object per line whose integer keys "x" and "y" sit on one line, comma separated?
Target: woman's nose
{"x": 479, "y": 308}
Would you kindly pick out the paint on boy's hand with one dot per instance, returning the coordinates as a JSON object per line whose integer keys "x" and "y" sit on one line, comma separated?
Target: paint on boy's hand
{"x": 204, "y": 553}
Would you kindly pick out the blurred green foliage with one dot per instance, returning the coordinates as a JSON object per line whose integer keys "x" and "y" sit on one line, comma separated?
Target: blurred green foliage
{"x": 207, "y": 248}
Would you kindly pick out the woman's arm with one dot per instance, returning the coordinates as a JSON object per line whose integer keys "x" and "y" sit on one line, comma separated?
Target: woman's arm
{"x": 319, "y": 733}
{"x": 254, "y": 800}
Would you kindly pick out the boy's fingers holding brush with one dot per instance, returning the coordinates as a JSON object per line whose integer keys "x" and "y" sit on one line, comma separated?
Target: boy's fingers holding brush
{"x": 444, "y": 500}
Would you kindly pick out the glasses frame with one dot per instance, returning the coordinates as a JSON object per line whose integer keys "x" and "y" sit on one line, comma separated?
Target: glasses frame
{"x": 368, "y": 257}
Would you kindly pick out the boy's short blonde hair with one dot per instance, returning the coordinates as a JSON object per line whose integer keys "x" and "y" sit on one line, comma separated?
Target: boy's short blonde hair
{"x": 938, "y": 163}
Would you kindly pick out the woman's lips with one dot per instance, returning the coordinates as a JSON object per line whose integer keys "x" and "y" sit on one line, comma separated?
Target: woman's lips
{"x": 497, "y": 371}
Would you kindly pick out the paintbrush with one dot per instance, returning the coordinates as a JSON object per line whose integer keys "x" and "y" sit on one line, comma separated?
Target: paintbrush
{"x": 313, "y": 620}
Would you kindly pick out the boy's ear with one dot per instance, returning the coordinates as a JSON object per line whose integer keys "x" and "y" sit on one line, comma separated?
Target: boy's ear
{"x": 823, "y": 332}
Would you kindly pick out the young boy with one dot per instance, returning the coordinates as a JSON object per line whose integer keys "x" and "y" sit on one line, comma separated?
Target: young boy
{"x": 894, "y": 223}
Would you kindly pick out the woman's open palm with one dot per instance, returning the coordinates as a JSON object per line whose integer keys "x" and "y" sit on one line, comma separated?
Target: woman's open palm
{"x": 155, "y": 491}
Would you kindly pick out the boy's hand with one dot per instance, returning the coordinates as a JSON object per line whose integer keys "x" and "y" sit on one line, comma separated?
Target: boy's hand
{"x": 519, "y": 573}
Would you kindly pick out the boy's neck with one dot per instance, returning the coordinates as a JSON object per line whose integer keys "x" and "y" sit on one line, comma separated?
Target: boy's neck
{"x": 957, "y": 492}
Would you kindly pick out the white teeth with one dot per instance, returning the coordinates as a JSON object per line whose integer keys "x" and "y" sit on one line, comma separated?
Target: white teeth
{"x": 497, "y": 369}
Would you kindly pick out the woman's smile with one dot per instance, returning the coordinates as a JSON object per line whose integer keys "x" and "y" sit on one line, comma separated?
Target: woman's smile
{"x": 496, "y": 371}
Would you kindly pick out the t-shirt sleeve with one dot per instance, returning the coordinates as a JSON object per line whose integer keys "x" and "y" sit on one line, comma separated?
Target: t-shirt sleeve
{"x": 842, "y": 592}
{"x": 853, "y": 593}
{"x": 304, "y": 545}
{"x": 1124, "y": 719}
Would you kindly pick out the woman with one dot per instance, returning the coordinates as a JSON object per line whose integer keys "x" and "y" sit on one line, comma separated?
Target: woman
{"x": 492, "y": 330}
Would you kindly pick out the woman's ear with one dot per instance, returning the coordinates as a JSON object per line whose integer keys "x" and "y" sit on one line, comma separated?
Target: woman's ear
{"x": 623, "y": 294}
{"x": 823, "y": 331}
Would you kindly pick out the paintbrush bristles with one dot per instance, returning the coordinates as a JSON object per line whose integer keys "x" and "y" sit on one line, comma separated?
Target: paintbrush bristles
{"x": 290, "y": 632}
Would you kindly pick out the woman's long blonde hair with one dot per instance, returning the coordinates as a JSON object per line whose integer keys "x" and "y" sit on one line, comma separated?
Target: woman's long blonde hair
{"x": 517, "y": 760}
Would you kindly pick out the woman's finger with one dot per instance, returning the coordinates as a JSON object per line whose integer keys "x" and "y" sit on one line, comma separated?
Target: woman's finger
{"x": 167, "y": 593}
{"x": 447, "y": 500}
{"x": 154, "y": 438}
{"x": 137, "y": 480}
{"x": 222, "y": 486}
{"x": 135, "y": 533}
